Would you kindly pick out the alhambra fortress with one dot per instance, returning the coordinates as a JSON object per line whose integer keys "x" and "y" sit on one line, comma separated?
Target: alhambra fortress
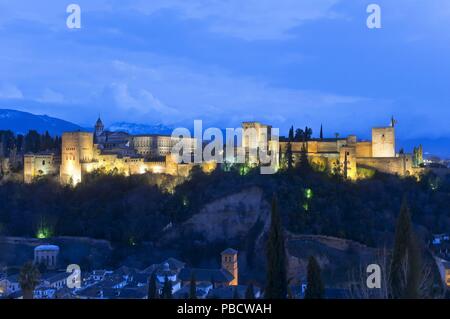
{"x": 123, "y": 153}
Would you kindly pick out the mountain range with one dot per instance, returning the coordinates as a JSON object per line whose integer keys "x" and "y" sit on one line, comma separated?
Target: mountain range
{"x": 133, "y": 128}
{"x": 21, "y": 122}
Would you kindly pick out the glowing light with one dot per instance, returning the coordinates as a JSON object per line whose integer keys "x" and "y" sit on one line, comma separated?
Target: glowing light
{"x": 43, "y": 233}
{"x": 308, "y": 193}
{"x": 244, "y": 170}
{"x": 306, "y": 206}
{"x": 158, "y": 169}
{"x": 142, "y": 169}
{"x": 185, "y": 201}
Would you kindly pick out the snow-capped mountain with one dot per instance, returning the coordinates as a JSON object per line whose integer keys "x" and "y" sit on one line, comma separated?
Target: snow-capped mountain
{"x": 21, "y": 122}
{"x": 133, "y": 128}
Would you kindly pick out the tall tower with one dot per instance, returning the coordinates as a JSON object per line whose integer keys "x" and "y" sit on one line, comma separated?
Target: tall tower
{"x": 255, "y": 136}
{"x": 347, "y": 160}
{"x": 98, "y": 128}
{"x": 77, "y": 148}
{"x": 383, "y": 142}
{"x": 230, "y": 263}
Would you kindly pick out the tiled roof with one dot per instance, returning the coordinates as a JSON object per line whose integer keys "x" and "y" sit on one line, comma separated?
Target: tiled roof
{"x": 46, "y": 247}
{"x": 174, "y": 263}
{"x": 216, "y": 275}
{"x": 230, "y": 251}
{"x": 54, "y": 276}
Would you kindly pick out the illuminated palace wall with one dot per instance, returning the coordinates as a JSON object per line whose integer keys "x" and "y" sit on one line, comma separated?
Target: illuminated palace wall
{"x": 80, "y": 156}
{"x": 85, "y": 152}
{"x": 36, "y": 165}
{"x": 378, "y": 154}
{"x": 119, "y": 152}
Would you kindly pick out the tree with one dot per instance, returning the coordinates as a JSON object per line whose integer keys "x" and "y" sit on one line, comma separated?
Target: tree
{"x": 291, "y": 133}
{"x": 315, "y": 287}
{"x": 29, "y": 278}
{"x": 307, "y": 134}
{"x": 236, "y": 293}
{"x": 345, "y": 166}
{"x": 32, "y": 141}
{"x": 299, "y": 134}
{"x": 46, "y": 142}
{"x": 276, "y": 282}
{"x": 193, "y": 288}
{"x": 249, "y": 292}
{"x": 289, "y": 149}
{"x": 321, "y": 132}
{"x": 167, "y": 289}
{"x": 290, "y": 160}
{"x": 406, "y": 265}
{"x": 152, "y": 289}
{"x": 304, "y": 162}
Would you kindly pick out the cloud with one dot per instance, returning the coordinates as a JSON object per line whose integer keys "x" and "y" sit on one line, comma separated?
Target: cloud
{"x": 219, "y": 98}
{"x": 50, "y": 96}
{"x": 250, "y": 19}
{"x": 8, "y": 91}
{"x": 141, "y": 101}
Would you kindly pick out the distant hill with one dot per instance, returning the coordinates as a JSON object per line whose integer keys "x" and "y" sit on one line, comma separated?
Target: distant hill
{"x": 133, "y": 128}
{"x": 21, "y": 122}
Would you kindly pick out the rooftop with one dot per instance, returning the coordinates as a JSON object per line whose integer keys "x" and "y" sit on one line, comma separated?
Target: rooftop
{"x": 229, "y": 251}
{"x": 211, "y": 275}
{"x": 46, "y": 247}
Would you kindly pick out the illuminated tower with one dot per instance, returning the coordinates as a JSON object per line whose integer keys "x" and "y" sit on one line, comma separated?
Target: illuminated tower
{"x": 383, "y": 142}
{"x": 230, "y": 263}
{"x": 77, "y": 148}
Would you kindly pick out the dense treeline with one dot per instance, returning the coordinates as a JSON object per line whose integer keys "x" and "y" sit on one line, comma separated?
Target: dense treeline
{"x": 31, "y": 142}
{"x": 133, "y": 209}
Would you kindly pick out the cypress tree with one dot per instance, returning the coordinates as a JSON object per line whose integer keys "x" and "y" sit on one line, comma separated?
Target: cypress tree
{"x": 29, "y": 278}
{"x": 304, "y": 163}
{"x": 152, "y": 289}
{"x": 276, "y": 282}
{"x": 345, "y": 166}
{"x": 289, "y": 149}
{"x": 405, "y": 272}
{"x": 291, "y": 134}
{"x": 249, "y": 292}
{"x": 315, "y": 288}
{"x": 193, "y": 288}
{"x": 236, "y": 293}
{"x": 321, "y": 132}
{"x": 167, "y": 289}
{"x": 290, "y": 161}
{"x": 307, "y": 134}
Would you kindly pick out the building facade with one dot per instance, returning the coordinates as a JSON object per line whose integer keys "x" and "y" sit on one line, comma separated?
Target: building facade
{"x": 352, "y": 157}
{"x": 36, "y": 165}
{"x": 122, "y": 153}
{"x": 46, "y": 255}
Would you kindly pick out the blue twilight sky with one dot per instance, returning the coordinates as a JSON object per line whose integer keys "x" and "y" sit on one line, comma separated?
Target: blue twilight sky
{"x": 283, "y": 62}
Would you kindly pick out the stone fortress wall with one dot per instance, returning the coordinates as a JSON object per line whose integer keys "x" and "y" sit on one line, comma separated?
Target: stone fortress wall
{"x": 119, "y": 152}
{"x": 352, "y": 155}
{"x": 85, "y": 152}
